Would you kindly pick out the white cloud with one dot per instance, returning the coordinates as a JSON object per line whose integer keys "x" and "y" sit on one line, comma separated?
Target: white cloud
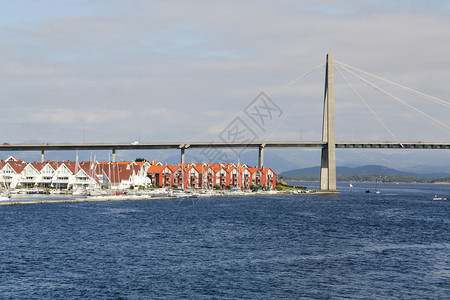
{"x": 63, "y": 116}
{"x": 175, "y": 68}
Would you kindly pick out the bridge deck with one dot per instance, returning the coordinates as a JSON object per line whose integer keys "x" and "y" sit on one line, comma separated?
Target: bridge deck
{"x": 200, "y": 145}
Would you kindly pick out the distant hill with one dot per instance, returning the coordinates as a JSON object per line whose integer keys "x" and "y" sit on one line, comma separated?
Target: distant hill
{"x": 363, "y": 170}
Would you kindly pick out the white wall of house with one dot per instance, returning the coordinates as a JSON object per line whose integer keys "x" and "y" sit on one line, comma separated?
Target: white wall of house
{"x": 84, "y": 181}
{"x": 46, "y": 175}
{"x": 28, "y": 176}
{"x": 63, "y": 177}
{"x": 9, "y": 177}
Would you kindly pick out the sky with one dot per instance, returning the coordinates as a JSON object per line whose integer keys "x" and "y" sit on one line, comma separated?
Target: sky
{"x": 154, "y": 71}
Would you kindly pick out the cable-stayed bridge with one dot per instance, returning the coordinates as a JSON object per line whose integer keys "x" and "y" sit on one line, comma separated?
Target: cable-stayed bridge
{"x": 328, "y": 145}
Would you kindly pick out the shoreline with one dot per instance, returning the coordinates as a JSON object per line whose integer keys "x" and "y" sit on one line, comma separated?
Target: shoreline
{"x": 441, "y": 182}
{"x": 139, "y": 198}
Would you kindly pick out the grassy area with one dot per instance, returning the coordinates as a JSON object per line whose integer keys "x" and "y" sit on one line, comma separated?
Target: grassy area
{"x": 283, "y": 186}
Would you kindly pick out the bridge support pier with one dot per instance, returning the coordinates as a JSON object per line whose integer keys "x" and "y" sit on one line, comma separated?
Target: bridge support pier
{"x": 183, "y": 150}
{"x": 42, "y": 156}
{"x": 113, "y": 155}
{"x": 261, "y": 157}
{"x": 328, "y": 160}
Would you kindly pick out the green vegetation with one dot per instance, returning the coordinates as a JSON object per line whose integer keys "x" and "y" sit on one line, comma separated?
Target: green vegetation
{"x": 283, "y": 186}
{"x": 154, "y": 186}
{"x": 371, "y": 178}
{"x": 255, "y": 187}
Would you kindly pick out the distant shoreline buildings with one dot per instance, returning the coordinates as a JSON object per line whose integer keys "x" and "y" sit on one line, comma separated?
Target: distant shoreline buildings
{"x": 15, "y": 173}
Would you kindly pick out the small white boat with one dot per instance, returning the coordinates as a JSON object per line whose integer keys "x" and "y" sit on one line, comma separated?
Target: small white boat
{"x": 376, "y": 190}
{"x": 437, "y": 198}
{"x": 79, "y": 192}
{"x": 179, "y": 194}
{"x": 5, "y": 197}
{"x": 204, "y": 194}
{"x": 96, "y": 192}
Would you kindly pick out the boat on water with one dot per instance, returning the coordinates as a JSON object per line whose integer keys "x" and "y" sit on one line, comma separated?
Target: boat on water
{"x": 206, "y": 194}
{"x": 376, "y": 188}
{"x": 376, "y": 192}
{"x": 79, "y": 192}
{"x": 179, "y": 193}
{"x": 440, "y": 198}
{"x": 5, "y": 197}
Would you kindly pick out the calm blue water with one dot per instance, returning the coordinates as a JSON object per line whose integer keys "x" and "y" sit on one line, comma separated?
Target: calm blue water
{"x": 394, "y": 245}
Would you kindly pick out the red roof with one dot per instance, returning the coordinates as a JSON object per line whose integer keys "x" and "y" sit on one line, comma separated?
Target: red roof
{"x": 156, "y": 169}
{"x": 173, "y": 168}
{"x": 252, "y": 170}
{"x": 17, "y": 166}
{"x": 38, "y": 166}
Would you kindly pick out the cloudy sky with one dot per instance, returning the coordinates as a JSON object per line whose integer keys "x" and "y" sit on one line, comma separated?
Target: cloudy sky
{"x": 149, "y": 71}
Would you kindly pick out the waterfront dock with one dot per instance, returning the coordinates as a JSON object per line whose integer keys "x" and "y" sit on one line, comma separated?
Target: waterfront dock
{"x": 153, "y": 197}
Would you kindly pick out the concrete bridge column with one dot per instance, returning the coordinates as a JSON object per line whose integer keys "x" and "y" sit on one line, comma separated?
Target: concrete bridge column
{"x": 113, "y": 155}
{"x": 261, "y": 156}
{"x": 183, "y": 151}
{"x": 182, "y": 155}
{"x": 328, "y": 161}
{"x": 42, "y": 156}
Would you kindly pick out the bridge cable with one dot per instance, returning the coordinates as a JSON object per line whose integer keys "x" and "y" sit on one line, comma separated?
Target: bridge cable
{"x": 433, "y": 120}
{"x": 292, "y": 108}
{"x": 368, "y": 106}
{"x": 437, "y": 100}
{"x": 222, "y": 124}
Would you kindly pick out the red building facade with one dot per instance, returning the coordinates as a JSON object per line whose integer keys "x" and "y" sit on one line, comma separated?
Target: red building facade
{"x": 208, "y": 176}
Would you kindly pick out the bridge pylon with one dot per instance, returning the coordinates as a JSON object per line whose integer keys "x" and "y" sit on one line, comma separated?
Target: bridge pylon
{"x": 328, "y": 161}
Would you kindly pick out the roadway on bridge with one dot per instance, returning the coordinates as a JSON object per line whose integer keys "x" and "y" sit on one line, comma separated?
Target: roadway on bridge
{"x": 203, "y": 145}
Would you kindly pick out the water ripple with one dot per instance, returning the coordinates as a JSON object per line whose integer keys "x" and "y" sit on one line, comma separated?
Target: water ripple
{"x": 290, "y": 247}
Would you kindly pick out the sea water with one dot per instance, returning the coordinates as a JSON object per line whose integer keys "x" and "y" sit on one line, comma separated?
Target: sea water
{"x": 392, "y": 245}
